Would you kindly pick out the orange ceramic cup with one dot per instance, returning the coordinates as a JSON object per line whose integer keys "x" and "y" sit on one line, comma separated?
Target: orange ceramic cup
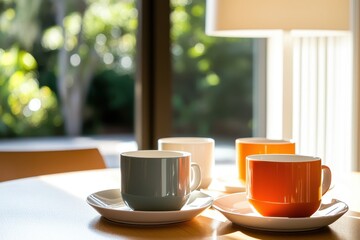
{"x": 250, "y": 146}
{"x": 286, "y": 185}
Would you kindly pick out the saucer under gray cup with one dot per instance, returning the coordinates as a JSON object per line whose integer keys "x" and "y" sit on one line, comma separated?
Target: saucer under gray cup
{"x": 153, "y": 180}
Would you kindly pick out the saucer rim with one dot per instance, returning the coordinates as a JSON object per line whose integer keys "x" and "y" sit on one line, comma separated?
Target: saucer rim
{"x": 174, "y": 216}
{"x": 329, "y": 219}
{"x": 148, "y": 212}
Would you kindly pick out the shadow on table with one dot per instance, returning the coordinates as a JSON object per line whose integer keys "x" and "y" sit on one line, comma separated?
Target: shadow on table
{"x": 245, "y": 233}
{"x": 344, "y": 228}
{"x": 203, "y": 227}
{"x": 197, "y": 228}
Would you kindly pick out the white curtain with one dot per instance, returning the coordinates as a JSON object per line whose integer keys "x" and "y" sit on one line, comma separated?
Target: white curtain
{"x": 313, "y": 88}
{"x": 311, "y": 97}
{"x": 323, "y": 99}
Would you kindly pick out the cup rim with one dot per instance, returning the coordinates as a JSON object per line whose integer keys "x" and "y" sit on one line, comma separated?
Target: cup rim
{"x": 186, "y": 140}
{"x": 161, "y": 154}
{"x": 294, "y": 158}
{"x": 260, "y": 140}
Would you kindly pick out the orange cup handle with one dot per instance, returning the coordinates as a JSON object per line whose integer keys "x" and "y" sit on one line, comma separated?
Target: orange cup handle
{"x": 326, "y": 178}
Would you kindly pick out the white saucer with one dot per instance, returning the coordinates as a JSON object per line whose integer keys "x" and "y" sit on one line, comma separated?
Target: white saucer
{"x": 111, "y": 206}
{"x": 236, "y": 208}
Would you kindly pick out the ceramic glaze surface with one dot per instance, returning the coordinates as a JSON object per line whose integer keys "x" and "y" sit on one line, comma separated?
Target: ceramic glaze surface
{"x": 156, "y": 182}
{"x": 284, "y": 185}
{"x": 250, "y": 146}
{"x": 201, "y": 149}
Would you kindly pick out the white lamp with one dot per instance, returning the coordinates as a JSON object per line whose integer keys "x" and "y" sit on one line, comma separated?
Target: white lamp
{"x": 261, "y": 18}
{"x": 278, "y": 21}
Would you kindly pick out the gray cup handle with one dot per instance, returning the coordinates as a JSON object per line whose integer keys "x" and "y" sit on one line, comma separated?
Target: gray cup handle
{"x": 195, "y": 176}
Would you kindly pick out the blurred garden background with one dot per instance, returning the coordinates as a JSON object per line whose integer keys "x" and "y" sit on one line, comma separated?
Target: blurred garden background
{"x": 67, "y": 68}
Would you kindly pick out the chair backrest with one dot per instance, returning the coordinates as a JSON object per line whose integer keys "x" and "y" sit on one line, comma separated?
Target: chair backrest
{"x": 21, "y": 164}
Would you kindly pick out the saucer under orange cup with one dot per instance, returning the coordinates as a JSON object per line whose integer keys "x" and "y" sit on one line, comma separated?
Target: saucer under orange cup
{"x": 286, "y": 185}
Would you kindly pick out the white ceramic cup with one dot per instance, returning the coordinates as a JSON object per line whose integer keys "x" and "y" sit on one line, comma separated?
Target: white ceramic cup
{"x": 201, "y": 149}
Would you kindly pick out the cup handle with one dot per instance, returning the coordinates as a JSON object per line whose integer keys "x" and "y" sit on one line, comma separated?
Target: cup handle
{"x": 326, "y": 178}
{"x": 195, "y": 176}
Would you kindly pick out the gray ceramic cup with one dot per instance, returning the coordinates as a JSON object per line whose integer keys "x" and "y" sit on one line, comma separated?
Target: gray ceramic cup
{"x": 153, "y": 180}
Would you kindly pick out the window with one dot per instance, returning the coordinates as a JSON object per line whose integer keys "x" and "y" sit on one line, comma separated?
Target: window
{"x": 322, "y": 97}
{"x": 67, "y": 68}
{"x": 196, "y": 45}
{"x": 74, "y": 71}
{"x": 213, "y": 87}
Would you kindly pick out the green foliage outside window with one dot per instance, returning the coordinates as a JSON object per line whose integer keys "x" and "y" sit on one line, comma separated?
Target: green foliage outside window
{"x": 76, "y": 46}
{"x": 88, "y": 47}
{"x": 26, "y": 108}
{"x": 212, "y": 77}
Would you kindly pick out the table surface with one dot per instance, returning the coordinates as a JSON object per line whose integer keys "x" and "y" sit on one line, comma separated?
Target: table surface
{"x": 54, "y": 207}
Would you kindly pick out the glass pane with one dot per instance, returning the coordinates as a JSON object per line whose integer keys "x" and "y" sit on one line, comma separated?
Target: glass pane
{"x": 73, "y": 73}
{"x": 212, "y": 80}
{"x": 67, "y": 69}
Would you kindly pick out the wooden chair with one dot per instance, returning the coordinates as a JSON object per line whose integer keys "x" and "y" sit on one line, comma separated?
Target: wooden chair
{"x": 21, "y": 164}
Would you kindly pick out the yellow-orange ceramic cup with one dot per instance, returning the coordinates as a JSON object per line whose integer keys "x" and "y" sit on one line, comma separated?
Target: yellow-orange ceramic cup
{"x": 286, "y": 185}
{"x": 250, "y": 146}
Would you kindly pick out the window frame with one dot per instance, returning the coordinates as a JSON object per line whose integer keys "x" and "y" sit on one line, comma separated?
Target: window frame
{"x": 153, "y": 76}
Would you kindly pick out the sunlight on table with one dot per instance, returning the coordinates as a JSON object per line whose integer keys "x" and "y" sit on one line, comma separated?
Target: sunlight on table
{"x": 75, "y": 183}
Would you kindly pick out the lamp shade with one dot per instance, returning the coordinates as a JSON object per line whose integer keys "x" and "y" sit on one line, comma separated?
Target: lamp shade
{"x": 259, "y": 18}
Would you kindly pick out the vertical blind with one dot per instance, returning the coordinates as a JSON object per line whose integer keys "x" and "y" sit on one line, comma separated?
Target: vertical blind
{"x": 323, "y": 99}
